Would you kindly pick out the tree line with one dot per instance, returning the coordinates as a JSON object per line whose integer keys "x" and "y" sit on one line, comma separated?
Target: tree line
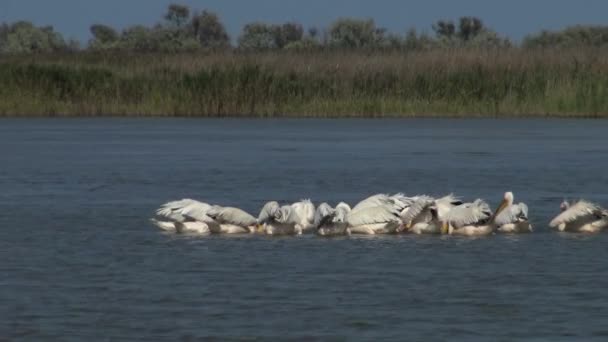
{"x": 182, "y": 29}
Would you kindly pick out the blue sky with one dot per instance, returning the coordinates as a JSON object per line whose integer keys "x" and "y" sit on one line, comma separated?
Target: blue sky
{"x": 514, "y": 18}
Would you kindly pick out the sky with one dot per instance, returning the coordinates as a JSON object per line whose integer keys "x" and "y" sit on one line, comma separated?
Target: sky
{"x": 514, "y": 18}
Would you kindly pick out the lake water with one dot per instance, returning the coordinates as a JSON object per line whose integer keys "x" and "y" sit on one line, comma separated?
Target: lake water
{"x": 79, "y": 260}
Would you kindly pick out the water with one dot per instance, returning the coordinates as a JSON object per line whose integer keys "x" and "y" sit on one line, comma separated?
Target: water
{"x": 79, "y": 261}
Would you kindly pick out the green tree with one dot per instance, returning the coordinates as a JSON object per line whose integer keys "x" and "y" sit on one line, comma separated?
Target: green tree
{"x": 4, "y": 31}
{"x": 444, "y": 29}
{"x": 24, "y": 37}
{"x": 354, "y": 33}
{"x": 574, "y": 36}
{"x": 138, "y": 38}
{"x": 104, "y": 37}
{"x": 257, "y": 36}
{"x": 287, "y": 33}
{"x": 208, "y": 30}
{"x": 469, "y": 28}
{"x": 177, "y": 15}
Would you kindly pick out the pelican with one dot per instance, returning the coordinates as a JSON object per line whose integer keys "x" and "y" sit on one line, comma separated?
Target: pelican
{"x": 280, "y": 220}
{"x": 330, "y": 221}
{"x": 581, "y": 217}
{"x": 231, "y": 220}
{"x": 425, "y": 214}
{"x": 469, "y": 219}
{"x": 305, "y": 214}
{"x": 512, "y": 218}
{"x": 380, "y": 219}
{"x": 184, "y": 216}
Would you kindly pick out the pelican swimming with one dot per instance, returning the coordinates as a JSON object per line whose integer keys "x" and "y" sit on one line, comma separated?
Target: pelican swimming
{"x": 293, "y": 219}
{"x": 231, "y": 220}
{"x": 512, "y": 218}
{"x": 469, "y": 219}
{"x": 184, "y": 216}
{"x": 477, "y": 219}
{"x": 332, "y": 221}
{"x": 426, "y": 214}
{"x": 580, "y": 217}
{"x": 379, "y": 219}
{"x": 284, "y": 221}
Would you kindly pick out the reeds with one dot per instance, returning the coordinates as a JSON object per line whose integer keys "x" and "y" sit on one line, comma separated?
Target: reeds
{"x": 459, "y": 82}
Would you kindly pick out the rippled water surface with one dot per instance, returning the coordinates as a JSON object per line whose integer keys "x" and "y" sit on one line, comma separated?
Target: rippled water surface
{"x": 79, "y": 260}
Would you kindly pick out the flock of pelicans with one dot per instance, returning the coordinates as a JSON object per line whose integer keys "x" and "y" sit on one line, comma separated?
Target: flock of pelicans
{"x": 378, "y": 214}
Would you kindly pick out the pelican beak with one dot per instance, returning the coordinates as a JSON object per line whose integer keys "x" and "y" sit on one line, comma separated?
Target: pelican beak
{"x": 503, "y": 205}
{"x": 445, "y": 228}
{"x": 259, "y": 228}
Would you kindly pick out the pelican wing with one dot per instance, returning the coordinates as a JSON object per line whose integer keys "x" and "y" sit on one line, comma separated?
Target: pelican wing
{"x": 268, "y": 212}
{"x": 229, "y": 215}
{"x": 287, "y": 215}
{"x": 305, "y": 211}
{"x": 416, "y": 208}
{"x": 182, "y": 210}
{"x": 445, "y": 204}
{"x": 512, "y": 214}
{"x": 523, "y": 211}
{"x": 582, "y": 210}
{"x": 373, "y": 201}
{"x": 403, "y": 201}
{"x": 450, "y": 200}
{"x": 469, "y": 213}
{"x": 378, "y": 214}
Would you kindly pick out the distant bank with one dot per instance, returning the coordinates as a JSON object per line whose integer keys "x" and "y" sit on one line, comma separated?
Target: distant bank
{"x": 440, "y": 82}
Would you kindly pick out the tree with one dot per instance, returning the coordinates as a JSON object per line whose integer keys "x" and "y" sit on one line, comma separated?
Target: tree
{"x": 287, "y": 33}
{"x": 24, "y": 37}
{"x": 257, "y": 36}
{"x": 469, "y": 28}
{"x": 354, "y": 33}
{"x": 103, "y": 36}
{"x": 574, "y": 36}
{"x": 4, "y": 31}
{"x": 209, "y": 30}
{"x": 444, "y": 29}
{"x": 137, "y": 38}
{"x": 177, "y": 15}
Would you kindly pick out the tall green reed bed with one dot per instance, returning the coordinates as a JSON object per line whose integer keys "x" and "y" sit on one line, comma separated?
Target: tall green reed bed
{"x": 316, "y": 84}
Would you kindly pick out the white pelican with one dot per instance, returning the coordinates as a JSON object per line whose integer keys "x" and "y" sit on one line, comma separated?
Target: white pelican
{"x": 293, "y": 219}
{"x": 581, "y": 217}
{"x": 330, "y": 221}
{"x": 268, "y": 213}
{"x": 512, "y": 218}
{"x": 275, "y": 220}
{"x": 426, "y": 214}
{"x": 380, "y": 219}
{"x": 305, "y": 212}
{"x": 231, "y": 220}
{"x": 184, "y": 216}
{"x": 469, "y": 219}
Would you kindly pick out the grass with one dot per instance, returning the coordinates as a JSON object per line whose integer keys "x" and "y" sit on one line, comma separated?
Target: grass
{"x": 458, "y": 83}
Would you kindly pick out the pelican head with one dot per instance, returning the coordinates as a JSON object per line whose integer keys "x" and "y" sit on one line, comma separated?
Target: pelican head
{"x": 214, "y": 211}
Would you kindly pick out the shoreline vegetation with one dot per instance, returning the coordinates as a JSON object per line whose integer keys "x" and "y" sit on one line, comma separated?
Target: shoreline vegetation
{"x": 187, "y": 66}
